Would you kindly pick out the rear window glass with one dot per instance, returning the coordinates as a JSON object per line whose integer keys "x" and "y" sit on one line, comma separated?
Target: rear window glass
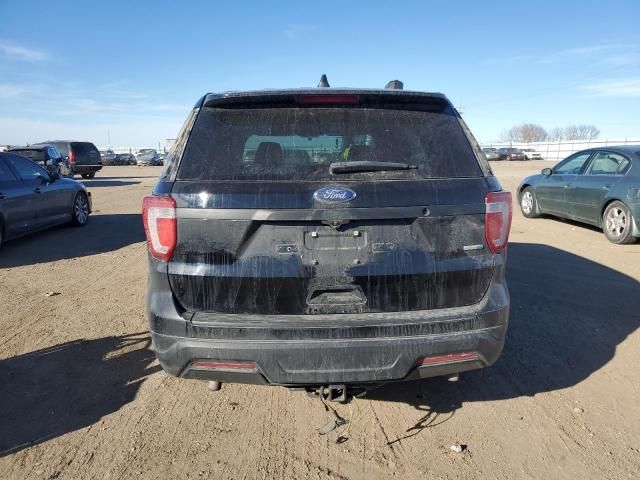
{"x": 82, "y": 148}
{"x": 35, "y": 155}
{"x": 298, "y": 144}
{"x": 6, "y": 175}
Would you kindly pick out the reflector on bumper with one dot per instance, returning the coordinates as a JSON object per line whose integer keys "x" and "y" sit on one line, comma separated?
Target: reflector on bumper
{"x": 451, "y": 358}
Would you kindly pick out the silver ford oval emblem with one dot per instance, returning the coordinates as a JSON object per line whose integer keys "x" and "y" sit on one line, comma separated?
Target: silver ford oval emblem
{"x": 334, "y": 195}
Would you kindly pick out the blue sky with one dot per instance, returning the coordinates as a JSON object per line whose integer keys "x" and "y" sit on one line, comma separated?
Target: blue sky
{"x": 134, "y": 69}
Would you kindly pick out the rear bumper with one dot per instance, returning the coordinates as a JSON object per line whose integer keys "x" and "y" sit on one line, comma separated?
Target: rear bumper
{"x": 311, "y": 350}
{"x": 79, "y": 169}
{"x": 311, "y": 363}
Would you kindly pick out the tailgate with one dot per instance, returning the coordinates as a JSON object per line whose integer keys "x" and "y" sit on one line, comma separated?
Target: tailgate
{"x": 399, "y": 246}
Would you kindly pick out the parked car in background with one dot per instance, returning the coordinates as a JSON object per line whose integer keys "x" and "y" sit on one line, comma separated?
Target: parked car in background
{"x": 128, "y": 159}
{"x": 491, "y": 153}
{"x": 147, "y": 156}
{"x": 532, "y": 154}
{"x": 600, "y": 186}
{"x": 47, "y": 156}
{"x": 83, "y": 157}
{"x": 330, "y": 277}
{"x": 109, "y": 157}
{"x": 32, "y": 198}
{"x": 508, "y": 153}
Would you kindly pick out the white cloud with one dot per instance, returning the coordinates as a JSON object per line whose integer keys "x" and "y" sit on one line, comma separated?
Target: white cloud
{"x": 75, "y": 99}
{"x": 592, "y": 51}
{"x": 611, "y": 53}
{"x": 85, "y": 112}
{"x": 623, "y": 59}
{"x": 20, "y": 52}
{"x": 125, "y": 132}
{"x": 9, "y": 90}
{"x": 300, "y": 30}
{"x": 629, "y": 87}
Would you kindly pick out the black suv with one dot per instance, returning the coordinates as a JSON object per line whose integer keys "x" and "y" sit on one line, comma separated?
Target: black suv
{"x": 326, "y": 238}
{"x": 83, "y": 157}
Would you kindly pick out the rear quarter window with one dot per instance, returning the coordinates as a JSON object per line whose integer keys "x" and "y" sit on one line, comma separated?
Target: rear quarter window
{"x": 299, "y": 144}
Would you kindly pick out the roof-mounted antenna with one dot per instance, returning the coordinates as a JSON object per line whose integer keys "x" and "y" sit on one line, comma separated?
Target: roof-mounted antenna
{"x": 394, "y": 85}
{"x": 324, "y": 83}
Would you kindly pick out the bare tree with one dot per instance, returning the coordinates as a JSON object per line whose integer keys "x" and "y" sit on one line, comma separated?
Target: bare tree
{"x": 588, "y": 132}
{"x": 555, "y": 134}
{"x": 581, "y": 132}
{"x": 527, "y": 132}
{"x": 530, "y": 132}
{"x": 511, "y": 135}
{"x": 570, "y": 133}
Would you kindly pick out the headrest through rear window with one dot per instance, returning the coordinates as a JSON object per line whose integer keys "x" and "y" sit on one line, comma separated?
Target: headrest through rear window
{"x": 361, "y": 153}
{"x": 269, "y": 155}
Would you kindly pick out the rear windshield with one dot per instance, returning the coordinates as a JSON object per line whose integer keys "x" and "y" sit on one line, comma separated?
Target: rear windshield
{"x": 35, "y": 155}
{"x": 298, "y": 144}
{"x": 83, "y": 148}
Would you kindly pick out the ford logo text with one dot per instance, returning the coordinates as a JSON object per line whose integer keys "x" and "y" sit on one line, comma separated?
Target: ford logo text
{"x": 334, "y": 195}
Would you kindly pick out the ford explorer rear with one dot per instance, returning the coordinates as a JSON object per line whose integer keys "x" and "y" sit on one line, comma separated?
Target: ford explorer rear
{"x": 321, "y": 237}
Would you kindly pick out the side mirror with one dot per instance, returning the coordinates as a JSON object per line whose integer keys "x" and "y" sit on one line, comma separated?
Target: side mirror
{"x": 54, "y": 176}
{"x": 547, "y": 172}
{"x": 42, "y": 178}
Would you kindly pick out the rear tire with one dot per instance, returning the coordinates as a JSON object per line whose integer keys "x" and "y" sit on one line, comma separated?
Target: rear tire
{"x": 88, "y": 175}
{"x": 617, "y": 223}
{"x": 529, "y": 203}
{"x": 80, "y": 210}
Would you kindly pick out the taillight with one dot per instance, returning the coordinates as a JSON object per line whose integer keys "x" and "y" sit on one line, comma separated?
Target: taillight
{"x": 72, "y": 157}
{"x": 498, "y": 220}
{"x": 159, "y": 218}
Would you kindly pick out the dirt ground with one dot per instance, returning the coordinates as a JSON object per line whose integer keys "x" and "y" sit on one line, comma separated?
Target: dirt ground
{"x": 81, "y": 395}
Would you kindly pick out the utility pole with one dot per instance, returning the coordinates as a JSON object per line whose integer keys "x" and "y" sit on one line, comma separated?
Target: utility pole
{"x": 109, "y": 138}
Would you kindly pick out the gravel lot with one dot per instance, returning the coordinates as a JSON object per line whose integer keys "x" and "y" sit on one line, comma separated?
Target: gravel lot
{"x": 81, "y": 395}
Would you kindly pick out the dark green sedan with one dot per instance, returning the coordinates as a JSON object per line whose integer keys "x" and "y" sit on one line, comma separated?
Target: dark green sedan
{"x": 599, "y": 186}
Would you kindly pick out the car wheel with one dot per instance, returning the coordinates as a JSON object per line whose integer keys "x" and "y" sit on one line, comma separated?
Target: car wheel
{"x": 80, "y": 212}
{"x": 617, "y": 223}
{"x": 529, "y": 203}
